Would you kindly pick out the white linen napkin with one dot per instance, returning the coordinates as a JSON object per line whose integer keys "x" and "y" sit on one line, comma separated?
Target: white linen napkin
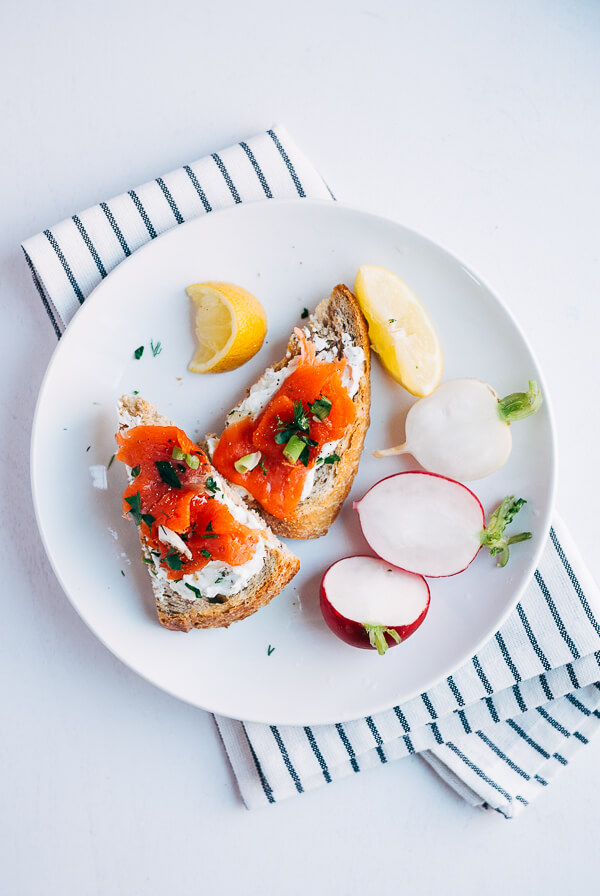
{"x": 499, "y": 728}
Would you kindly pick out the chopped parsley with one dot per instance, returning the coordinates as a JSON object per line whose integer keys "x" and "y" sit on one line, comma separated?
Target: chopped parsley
{"x": 138, "y": 354}
{"x": 332, "y": 459}
{"x": 135, "y": 471}
{"x": 88, "y": 448}
{"x": 320, "y": 407}
{"x": 167, "y": 473}
{"x": 110, "y": 463}
{"x": 135, "y": 504}
{"x": 173, "y": 560}
{"x": 211, "y": 485}
{"x": 122, "y": 573}
{"x": 197, "y": 592}
{"x": 392, "y": 320}
{"x": 270, "y": 650}
{"x": 156, "y": 349}
{"x": 263, "y": 468}
{"x": 206, "y": 553}
{"x": 209, "y": 528}
{"x": 304, "y": 314}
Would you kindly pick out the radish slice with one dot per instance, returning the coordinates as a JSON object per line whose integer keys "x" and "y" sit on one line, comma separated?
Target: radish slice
{"x": 462, "y": 430}
{"x": 431, "y": 525}
{"x": 369, "y": 603}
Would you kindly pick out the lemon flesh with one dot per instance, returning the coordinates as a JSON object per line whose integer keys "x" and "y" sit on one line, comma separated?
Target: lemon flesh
{"x": 400, "y": 330}
{"x": 231, "y": 325}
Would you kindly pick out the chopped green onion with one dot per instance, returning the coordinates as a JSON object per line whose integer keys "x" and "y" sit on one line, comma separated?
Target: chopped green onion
{"x": 177, "y": 453}
{"x": 193, "y": 461}
{"x": 320, "y": 408}
{"x": 248, "y": 462}
{"x": 294, "y": 449}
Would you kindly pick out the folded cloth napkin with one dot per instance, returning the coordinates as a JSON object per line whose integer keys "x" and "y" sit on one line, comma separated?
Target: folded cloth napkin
{"x": 499, "y": 728}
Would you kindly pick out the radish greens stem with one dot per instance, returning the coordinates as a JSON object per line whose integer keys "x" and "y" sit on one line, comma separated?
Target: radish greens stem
{"x": 493, "y": 536}
{"x": 519, "y": 405}
{"x": 377, "y": 635}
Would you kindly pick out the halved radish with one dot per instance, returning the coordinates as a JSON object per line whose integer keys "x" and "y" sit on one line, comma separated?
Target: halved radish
{"x": 462, "y": 430}
{"x": 433, "y": 526}
{"x": 369, "y": 603}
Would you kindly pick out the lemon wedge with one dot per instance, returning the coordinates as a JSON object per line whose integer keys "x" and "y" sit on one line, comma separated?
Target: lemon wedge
{"x": 400, "y": 330}
{"x": 231, "y": 325}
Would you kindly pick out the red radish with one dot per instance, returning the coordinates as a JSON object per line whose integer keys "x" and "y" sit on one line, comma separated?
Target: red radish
{"x": 462, "y": 429}
{"x": 433, "y": 526}
{"x": 369, "y": 603}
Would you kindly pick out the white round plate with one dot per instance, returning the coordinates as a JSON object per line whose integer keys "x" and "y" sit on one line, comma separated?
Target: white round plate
{"x": 282, "y": 665}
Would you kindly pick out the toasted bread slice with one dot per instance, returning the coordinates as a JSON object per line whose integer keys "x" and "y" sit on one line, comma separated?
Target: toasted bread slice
{"x": 336, "y": 325}
{"x": 175, "y": 609}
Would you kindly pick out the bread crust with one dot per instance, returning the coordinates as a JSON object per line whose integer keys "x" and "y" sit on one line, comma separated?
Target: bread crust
{"x": 337, "y": 314}
{"x": 179, "y": 614}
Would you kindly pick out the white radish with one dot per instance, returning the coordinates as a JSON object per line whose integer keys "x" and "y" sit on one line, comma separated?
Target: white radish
{"x": 433, "y": 526}
{"x": 369, "y": 603}
{"x": 462, "y": 430}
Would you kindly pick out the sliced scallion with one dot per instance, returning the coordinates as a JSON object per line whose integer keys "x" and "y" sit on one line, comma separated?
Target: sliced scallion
{"x": 248, "y": 462}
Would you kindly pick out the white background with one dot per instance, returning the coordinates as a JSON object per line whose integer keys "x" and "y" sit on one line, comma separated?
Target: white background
{"x": 475, "y": 122}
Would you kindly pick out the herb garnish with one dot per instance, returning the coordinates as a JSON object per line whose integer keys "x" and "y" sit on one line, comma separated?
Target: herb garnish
{"x": 173, "y": 560}
{"x": 209, "y": 528}
{"x": 206, "y": 553}
{"x": 304, "y": 314}
{"x": 167, "y": 473}
{"x": 138, "y": 353}
{"x": 320, "y": 407}
{"x": 197, "y": 592}
{"x": 156, "y": 349}
{"x": 135, "y": 504}
{"x": 263, "y": 468}
{"x": 211, "y": 485}
{"x": 332, "y": 459}
{"x": 110, "y": 463}
{"x": 294, "y": 435}
{"x": 135, "y": 471}
{"x": 392, "y": 320}
{"x": 270, "y": 650}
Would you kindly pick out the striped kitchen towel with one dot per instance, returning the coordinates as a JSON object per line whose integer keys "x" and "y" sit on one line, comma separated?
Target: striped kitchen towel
{"x": 499, "y": 728}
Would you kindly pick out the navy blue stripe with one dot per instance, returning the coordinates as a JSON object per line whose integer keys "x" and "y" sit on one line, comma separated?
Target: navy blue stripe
{"x": 318, "y": 754}
{"x": 533, "y": 640}
{"x": 348, "y": 745}
{"x": 116, "y": 229}
{"x": 496, "y": 749}
{"x": 436, "y": 733}
{"x": 219, "y": 163}
{"x": 429, "y": 706}
{"x": 456, "y": 693}
{"x": 401, "y": 718}
{"x": 172, "y": 204}
{"x": 286, "y": 759}
{"x": 378, "y": 738}
{"x": 521, "y": 799}
{"x": 490, "y": 705}
{"x": 409, "y": 744}
{"x": 546, "y": 687}
{"x": 578, "y": 705}
{"x": 65, "y": 264}
{"x": 507, "y": 657}
{"x": 261, "y": 775}
{"x": 42, "y": 294}
{"x": 560, "y": 758}
{"x": 576, "y": 586}
{"x": 552, "y": 721}
{"x": 541, "y": 781}
{"x": 580, "y": 737}
{"x": 465, "y": 721}
{"x": 519, "y": 698}
{"x": 86, "y": 239}
{"x": 512, "y": 724}
{"x": 482, "y": 677}
{"x": 258, "y": 170}
{"x": 478, "y": 771}
{"x": 288, "y": 163}
{"x": 143, "y": 213}
{"x": 556, "y": 616}
{"x": 198, "y": 188}
{"x": 573, "y": 676}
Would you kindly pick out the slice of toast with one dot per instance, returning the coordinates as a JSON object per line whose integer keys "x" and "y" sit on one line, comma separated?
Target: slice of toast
{"x": 336, "y": 324}
{"x": 175, "y": 609}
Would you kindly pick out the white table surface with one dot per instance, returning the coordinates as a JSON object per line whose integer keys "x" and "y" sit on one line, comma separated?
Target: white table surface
{"x": 473, "y": 121}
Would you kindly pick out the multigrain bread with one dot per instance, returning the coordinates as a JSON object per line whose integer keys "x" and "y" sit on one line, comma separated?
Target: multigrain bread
{"x": 337, "y": 321}
{"x": 182, "y": 613}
